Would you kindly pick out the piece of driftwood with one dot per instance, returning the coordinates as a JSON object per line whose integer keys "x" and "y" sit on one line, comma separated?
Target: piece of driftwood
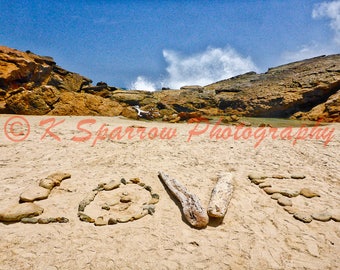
{"x": 193, "y": 211}
{"x": 221, "y": 196}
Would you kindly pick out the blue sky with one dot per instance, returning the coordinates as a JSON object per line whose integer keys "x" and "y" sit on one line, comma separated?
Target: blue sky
{"x": 150, "y": 44}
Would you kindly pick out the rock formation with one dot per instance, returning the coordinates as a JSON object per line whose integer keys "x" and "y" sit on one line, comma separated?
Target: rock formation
{"x": 309, "y": 89}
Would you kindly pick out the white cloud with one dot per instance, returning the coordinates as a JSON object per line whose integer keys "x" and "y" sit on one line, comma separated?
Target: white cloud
{"x": 209, "y": 66}
{"x": 142, "y": 83}
{"x": 331, "y": 11}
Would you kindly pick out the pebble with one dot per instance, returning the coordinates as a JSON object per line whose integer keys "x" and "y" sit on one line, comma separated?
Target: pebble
{"x": 111, "y": 185}
{"x": 150, "y": 208}
{"x": 34, "y": 193}
{"x": 322, "y": 216}
{"x": 59, "y": 176}
{"x": 271, "y": 190}
{"x": 336, "y": 218}
{"x": 257, "y": 181}
{"x": 123, "y": 181}
{"x": 112, "y": 221}
{"x": 306, "y": 192}
{"x": 125, "y": 199}
{"x": 148, "y": 188}
{"x": 291, "y": 210}
{"x": 142, "y": 214}
{"x": 62, "y": 220}
{"x": 135, "y": 180}
{"x": 47, "y": 183}
{"x": 290, "y": 193}
{"x": 284, "y": 201}
{"x": 86, "y": 201}
{"x": 124, "y": 219}
{"x": 100, "y": 221}
{"x": 154, "y": 199}
{"x": 279, "y": 176}
{"x": 84, "y": 217}
{"x": 29, "y": 220}
{"x": 43, "y": 221}
{"x": 303, "y": 217}
{"x": 264, "y": 185}
{"x": 253, "y": 176}
{"x": 297, "y": 176}
{"x": 276, "y": 196}
{"x": 106, "y": 207}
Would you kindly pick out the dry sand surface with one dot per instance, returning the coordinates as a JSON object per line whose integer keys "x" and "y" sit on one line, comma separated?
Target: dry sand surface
{"x": 256, "y": 233}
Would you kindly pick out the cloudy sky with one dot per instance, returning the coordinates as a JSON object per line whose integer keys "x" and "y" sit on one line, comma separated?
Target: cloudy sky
{"x": 152, "y": 44}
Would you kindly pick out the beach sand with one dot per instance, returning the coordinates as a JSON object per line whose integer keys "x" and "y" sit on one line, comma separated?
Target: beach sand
{"x": 256, "y": 233}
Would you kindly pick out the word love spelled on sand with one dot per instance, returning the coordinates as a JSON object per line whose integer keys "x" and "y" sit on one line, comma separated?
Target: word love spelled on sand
{"x": 220, "y": 132}
{"x": 17, "y": 129}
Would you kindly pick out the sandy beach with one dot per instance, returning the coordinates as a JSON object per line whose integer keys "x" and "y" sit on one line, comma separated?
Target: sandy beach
{"x": 256, "y": 233}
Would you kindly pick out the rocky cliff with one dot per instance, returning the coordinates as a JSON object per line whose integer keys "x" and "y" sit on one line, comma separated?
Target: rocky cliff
{"x": 309, "y": 89}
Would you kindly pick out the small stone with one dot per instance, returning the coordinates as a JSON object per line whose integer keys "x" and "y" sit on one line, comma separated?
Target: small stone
{"x": 264, "y": 185}
{"x": 254, "y": 176}
{"x": 62, "y": 220}
{"x": 59, "y": 176}
{"x": 84, "y": 217}
{"x": 43, "y": 221}
{"x": 135, "y": 180}
{"x": 100, "y": 221}
{"x": 100, "y": 187}
{"x": 284, "y": 201}
{"x": 142, "y": 214}
{"x": 322, "y": 216}
{"x": 150, "y": 208}
{"x": 124, "y": 219}
{"x": 279, "y": 176}
{"x": 257, "y": 181}
{"x": 336, "y": 218}
{"x": 154, "y": 199}
{"x": 111, "y": 185}
{"x": 47, "y": 183}
{"x": 276, "y": 196}
{"x": 123, "y": 181}
{"x": 86, "y": 201}
{"x": 290, "y": 193}
{"x": 125, "y": 199}
{"x": 112, "y": 221}
{"x": 297, "y": 176}
{"x": 141, "y": 184}
{"x": 106, "y": 207}
{"x": 306, "y": 192}
{"x": 148, "y": 188}
{"x": 291, "y": 210}
{"x": 34, "y": 193}
{"x": 19, "y": 211}
{"x": 29, "y": 220}
{"x": 270, "y": 190}
{"x": 303, "y": 217}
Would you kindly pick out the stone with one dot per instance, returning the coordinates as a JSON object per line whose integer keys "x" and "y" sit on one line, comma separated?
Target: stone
{"x": 290, "y": 193}
{"x": 112, "y": 221}
{"x": 29, "y": 220}
{"x": 264, "y": 185}
{"x": 271, "y": 190}
{"x": 150, "y": 208}
{"x": 125, "y": 199}
{"x": 59, "y": 176}
{"x": 34, "y": 193}
{"x": 279, "y": 176}
{"x": 336, "y": 218}
{"x": 111, "y": 185}
{"x": 62, "y": 220}
{"x": 322, "y": 216}
{"x": 306, "y": 192}
{"x": 257, "y": 181}
{"x": 18, "y": 211}
{"x": 106, "y": 207}
{"x": 43, "y": 221}
{"x": 86, "y": 201}
{"x": 303, "y": 217}
{"x": 86, "y": 218}
{"x": 100, "y": 221}
{"x": 142, "y": 214}
{"x": 291, "y": 210}
{"x": 154, "y": 198}
{"x": 47, "y": 183}
{"x": 284, "y": 201}
{"x": 135, "y": 180}
{"x": 148, "y": 188}
{"x": 253, "y": 176}
{"x": 276, "y": 196}
{"x": 124, "y": 219}
{"x": 297, "y": 176}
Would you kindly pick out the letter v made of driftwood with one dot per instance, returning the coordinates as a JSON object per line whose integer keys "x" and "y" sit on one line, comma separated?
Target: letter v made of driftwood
{"x": 193, "y": 211}
{"x": 221, "y": 196}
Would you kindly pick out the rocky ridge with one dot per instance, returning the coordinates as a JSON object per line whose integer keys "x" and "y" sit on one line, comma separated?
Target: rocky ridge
{"x": 309, "y": 89}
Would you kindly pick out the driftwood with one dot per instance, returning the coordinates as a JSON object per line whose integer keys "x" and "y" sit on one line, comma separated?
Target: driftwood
{"x": 193, "y": 211}
{"x": 221, "y": 196}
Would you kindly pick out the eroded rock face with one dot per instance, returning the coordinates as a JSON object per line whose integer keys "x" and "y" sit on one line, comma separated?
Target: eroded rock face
{"x": 309, "y": 89}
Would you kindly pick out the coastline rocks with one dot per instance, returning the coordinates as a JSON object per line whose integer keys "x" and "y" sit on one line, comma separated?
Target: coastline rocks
{"x": 17, "y": 212}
